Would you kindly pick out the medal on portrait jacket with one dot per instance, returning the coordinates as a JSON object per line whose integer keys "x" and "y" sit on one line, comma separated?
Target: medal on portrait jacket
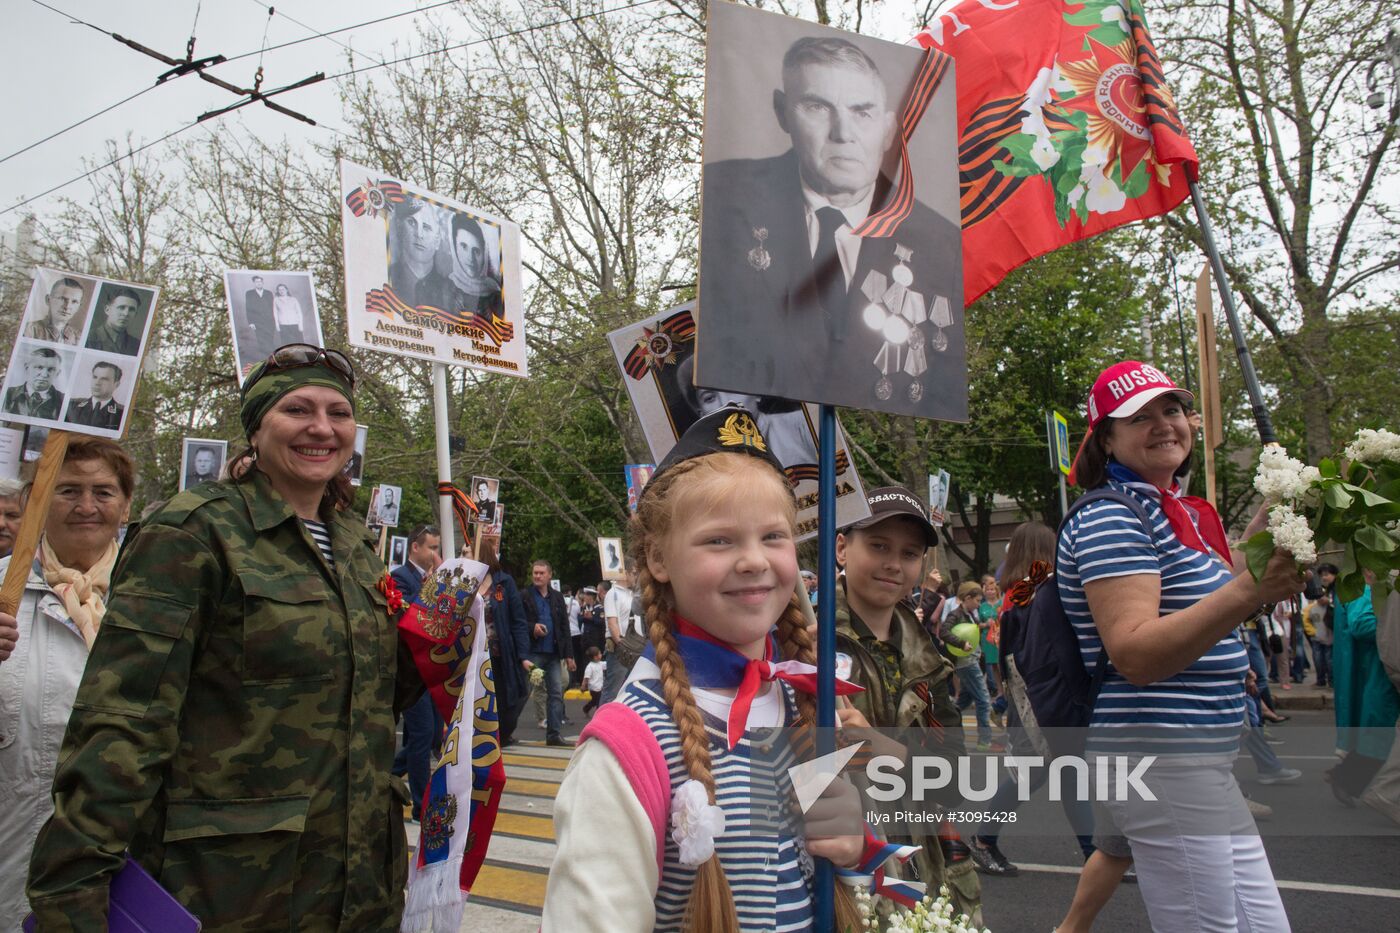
{"x": 758, "y": 256}
{"x": 896, "y": 312}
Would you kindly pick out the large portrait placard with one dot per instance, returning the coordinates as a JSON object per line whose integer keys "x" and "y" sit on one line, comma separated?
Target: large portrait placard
{"x": 657, "y": 358}
{"x": 430, "y": 277}
{"x": 808, "y": 290}
{"x": 78, "y": 355}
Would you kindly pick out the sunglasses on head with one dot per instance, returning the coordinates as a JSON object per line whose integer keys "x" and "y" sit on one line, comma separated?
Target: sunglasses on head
{"x": 295, "y": 355}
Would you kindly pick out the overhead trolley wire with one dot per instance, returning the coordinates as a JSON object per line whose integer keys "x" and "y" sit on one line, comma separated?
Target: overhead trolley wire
{"x": 344, "y": 74}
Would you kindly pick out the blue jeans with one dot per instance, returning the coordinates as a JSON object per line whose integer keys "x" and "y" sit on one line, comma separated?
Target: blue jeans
{"x": 1322, "y": 660}
{"x": 614, "y": 676}
{"x": 1300, "y": 660}
{"x": 1264, "y": 758}
{"x": 1080, "y": 813}
{"x": 422, "y": 739}
{"x": 974, "y": 690}
{"x": 993, "y": 676}
{"x": 1259, "y": 666}
{"x": 554, "y": 686}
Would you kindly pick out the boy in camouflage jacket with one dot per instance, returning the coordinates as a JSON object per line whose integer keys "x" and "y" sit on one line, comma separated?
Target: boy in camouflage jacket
{"x": 882, "y": 647}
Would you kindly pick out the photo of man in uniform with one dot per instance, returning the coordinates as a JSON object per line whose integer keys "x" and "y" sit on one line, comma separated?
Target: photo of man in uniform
{"x": 418, "y": 229}
{"x": 57, "y": 323}
{"x": 484, "y": 495}
{"x": 37, "y": 397}
{"x": 100, "y": 409}
{"x": 203, "y": 462}
{"x": 118, "y": 307}
{"x": 258, "y": 303}
{"x": 795, "y": 304}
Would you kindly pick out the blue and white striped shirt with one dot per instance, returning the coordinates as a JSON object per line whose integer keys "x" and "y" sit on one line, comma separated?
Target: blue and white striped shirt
{"x": 1206, "y": 700}
{"x": 758, "y": 849}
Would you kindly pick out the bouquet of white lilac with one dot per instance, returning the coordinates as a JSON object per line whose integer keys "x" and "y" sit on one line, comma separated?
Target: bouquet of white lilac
{"x": 931, "y": 915}
{"x": 1354, "y": 502}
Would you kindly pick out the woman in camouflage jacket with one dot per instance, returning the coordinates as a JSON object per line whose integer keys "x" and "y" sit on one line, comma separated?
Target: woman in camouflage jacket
{"x": 234, "y": 728}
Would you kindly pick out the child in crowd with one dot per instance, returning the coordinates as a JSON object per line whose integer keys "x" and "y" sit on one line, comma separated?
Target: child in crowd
{"x": 882, "y": 646}
{"x": 593, "y": 678}
{"x": 991, "y": 651}
{"x": 969, "y": 665}
{"x": 669, "y": 775}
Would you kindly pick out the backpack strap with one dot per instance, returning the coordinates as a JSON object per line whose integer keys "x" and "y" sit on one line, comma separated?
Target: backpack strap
{"x": 630, "y": 739}
{"x": 1101, "y": 494}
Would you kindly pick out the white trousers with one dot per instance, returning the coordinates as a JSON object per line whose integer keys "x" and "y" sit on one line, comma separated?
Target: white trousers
{"x": 1200, "y": 862}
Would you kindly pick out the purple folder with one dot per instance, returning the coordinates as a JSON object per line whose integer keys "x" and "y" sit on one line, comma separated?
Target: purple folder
{"x": 140, "y": 905}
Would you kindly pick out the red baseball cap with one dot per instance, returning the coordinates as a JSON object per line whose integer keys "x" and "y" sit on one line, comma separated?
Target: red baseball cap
{"x": 1123, "y": 388}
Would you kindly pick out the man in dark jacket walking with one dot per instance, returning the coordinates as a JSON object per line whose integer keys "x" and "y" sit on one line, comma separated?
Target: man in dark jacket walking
{"x": 422, "y": 723}
{"x": 549, "y": 643}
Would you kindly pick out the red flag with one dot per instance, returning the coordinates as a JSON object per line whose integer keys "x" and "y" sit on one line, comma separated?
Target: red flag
{"x": 1067, "y": 127}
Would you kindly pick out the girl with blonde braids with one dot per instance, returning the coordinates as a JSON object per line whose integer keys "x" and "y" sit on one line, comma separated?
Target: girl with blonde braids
{"x": 668, "y": 782}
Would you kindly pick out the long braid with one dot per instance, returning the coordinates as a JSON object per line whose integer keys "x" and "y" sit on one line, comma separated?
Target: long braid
{"x": 795, "y": 642}
{"x": 710, "y": 906}
{"x": 711, "y": 903}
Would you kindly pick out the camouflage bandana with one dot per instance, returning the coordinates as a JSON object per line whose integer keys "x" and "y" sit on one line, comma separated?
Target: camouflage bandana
{"x": 262, "y": 389}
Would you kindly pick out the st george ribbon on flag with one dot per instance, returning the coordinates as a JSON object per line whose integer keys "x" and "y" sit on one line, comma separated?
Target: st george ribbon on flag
{"x": 1066, "y": 127}
{"x": 445, "y": 629}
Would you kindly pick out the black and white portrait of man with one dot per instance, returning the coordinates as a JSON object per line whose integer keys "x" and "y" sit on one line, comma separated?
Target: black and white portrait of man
{"x": 417, "y": 230}
{"x": 801, "y": 145}
{"x": 202, "y": 461}
{"x": 485, "y": 492}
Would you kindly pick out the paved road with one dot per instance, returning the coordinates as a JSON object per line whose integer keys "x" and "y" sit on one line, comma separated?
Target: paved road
{"x": 1336, "y": 867}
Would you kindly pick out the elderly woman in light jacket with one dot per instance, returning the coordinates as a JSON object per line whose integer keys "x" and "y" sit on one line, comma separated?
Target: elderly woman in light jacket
{"x": 44, "y": 646}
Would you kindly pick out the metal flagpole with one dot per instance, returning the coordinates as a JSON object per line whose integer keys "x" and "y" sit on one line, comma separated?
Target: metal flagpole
{"x": 444, "y": 460}
{"x": 1251, "y": 380}
{"x": 824, "y": 910}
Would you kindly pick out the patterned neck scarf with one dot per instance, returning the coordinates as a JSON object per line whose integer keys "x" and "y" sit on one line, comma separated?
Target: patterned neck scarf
{"x": 82, "y": 593}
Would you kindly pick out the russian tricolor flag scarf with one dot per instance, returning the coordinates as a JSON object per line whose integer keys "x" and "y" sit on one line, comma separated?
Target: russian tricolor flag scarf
{"x": 444, "y": 627}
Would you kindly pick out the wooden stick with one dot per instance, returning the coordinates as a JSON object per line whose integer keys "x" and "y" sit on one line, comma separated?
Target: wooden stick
{"x": 36, "y": 514}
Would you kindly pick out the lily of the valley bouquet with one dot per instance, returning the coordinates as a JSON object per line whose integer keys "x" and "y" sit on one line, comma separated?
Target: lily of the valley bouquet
{"x": 930, "y": 915}
{"x": 1353, "y": 501}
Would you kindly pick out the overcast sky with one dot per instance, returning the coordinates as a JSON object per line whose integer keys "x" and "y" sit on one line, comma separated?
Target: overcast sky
{"x": 59, "y": 72}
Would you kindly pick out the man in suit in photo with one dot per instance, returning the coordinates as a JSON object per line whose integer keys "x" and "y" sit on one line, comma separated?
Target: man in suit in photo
{"x": 38, "y": 398}
{"x": 795, "y": 304}
{"x": 422, "y": 724}
{"x": 109, "y": 333}
{"x": 100, "y": 409}
{"x": 257, "y": 307}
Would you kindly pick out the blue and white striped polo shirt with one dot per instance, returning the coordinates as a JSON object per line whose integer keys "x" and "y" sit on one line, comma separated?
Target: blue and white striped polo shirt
{"x": 1105, "y": 539}
{"x": 761, "y": 857}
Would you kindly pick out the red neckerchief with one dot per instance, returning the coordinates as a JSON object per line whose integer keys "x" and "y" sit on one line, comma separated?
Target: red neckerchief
{"x": 1204, "y": 533}
{"x": 711, "y": 663}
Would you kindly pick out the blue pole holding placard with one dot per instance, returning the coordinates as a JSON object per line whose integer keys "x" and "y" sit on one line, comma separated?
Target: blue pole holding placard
{"x": 824, "y": 910}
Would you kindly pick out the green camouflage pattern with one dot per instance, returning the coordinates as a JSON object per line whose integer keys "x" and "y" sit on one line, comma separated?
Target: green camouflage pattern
{"x": 260, "y": 392}
{"x": 234, "y": 728}
{"x": 921, "y": 664}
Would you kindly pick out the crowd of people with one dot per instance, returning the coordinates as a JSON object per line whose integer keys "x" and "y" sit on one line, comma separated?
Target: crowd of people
{"x": 213, "y": 691}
